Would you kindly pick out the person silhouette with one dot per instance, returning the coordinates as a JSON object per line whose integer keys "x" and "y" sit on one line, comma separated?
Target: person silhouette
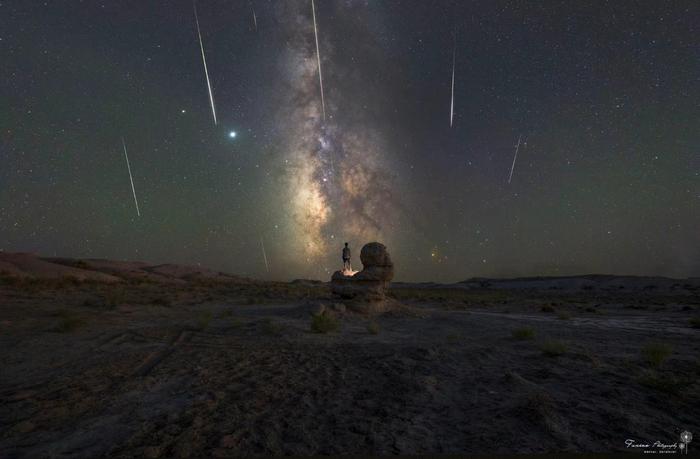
{"x": 346, "y": 258}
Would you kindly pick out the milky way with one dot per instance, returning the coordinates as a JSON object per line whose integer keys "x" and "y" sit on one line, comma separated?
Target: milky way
{"x": 337, "y": 176}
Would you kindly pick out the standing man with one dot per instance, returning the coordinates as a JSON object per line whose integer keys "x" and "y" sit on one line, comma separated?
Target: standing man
{"x": 346, "y": 258}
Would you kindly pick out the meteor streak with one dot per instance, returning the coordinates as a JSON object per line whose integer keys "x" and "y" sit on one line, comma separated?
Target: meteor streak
{"x": 517, "y": 147}
{"x": 204, "y": 61}
{"x": 262, "y": 244}
{"x": 452, "y": 100}
{"x": 255, "y": 19}
{"x": 133, "y": 190}
{"x": 318, "y": 59}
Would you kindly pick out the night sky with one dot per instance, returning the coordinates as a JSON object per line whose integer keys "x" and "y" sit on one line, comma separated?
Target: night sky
{"x": 607, "y": 95}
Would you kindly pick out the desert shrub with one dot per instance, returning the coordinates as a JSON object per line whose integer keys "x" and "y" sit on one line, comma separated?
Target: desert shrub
{"x": 547, "y": 308}
{"x": 203, "y": 319}
{"x": 373, "y": 327}
{"x": 523, "y": 333}
{"x": 235, "y": 322}
{"x": 324, "y": 323}
{"x": 269, "y": 327}
{"x": 454, "y": 338}
{"x": 563, "y": 316}
{"x": 68, "y": 322}
{"x": 553, "y": 348}
{"x": 694, "y": 322}
{"x": 656, "y": 353}
{"x": 81, "y": 264}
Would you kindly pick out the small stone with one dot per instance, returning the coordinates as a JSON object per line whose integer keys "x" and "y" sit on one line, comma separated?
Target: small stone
{"x": 319, "y": 309}
{"x": 339, "y": 307}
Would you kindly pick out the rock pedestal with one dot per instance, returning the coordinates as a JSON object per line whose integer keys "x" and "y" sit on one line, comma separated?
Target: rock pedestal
{"x": 366, "y": 289}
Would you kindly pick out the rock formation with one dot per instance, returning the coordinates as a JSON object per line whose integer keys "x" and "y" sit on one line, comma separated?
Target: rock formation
{"x": 367, "y": 288}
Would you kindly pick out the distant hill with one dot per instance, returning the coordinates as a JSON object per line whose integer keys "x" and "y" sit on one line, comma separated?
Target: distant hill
{"x": 587, "y": 282}
{"x": 31, "y": 266}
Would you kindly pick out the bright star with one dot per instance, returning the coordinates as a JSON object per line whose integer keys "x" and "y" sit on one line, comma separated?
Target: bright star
{"x": 232, "y": 134}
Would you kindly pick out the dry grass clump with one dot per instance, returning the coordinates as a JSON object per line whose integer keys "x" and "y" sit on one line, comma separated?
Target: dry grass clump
{"x": 204, "y": 318}
{"x": 325, "y": 322}
{"x": 373, "y": 327}
{"x": 68, "y": 321}
{"x": 553, "y": 348}
{"x": 454, "y": 338}
{"x": 523, "y": 333}
{"x": 656, "y": 353}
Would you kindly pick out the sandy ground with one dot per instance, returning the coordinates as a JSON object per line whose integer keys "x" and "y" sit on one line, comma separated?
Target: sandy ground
{"x": 223, "y": 371}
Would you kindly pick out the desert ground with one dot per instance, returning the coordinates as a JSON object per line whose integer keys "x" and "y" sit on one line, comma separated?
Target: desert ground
{"x": 121, "y": 360}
